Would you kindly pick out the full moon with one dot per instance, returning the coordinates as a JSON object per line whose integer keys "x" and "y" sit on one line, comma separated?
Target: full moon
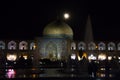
{"x": 66, "y": 15}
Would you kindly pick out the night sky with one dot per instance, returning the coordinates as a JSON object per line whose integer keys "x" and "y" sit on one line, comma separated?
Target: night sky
{"x": 26, "y": 19}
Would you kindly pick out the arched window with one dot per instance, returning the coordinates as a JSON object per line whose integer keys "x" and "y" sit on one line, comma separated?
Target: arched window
{"x": 111, "y": 46}
{"x": 32, "y": 46}
{"x": 2, "y": 45}
{"x": 91, "y": 46}
{"x": 81, "y": 46}
{"x": 118, "y": 46}
{"x": 73, "y": 46}
{"x": 23, "y": 45}
{"x": 101, "y": 46}
{"x": 12, "y": 45}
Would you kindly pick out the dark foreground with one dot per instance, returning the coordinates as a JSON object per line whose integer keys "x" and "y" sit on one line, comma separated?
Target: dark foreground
{"x": 50, "y": 74}
{"x": 61, "y": 78}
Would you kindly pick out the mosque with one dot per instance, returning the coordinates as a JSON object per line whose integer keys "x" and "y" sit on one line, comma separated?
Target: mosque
{"x": 57, "y": 43}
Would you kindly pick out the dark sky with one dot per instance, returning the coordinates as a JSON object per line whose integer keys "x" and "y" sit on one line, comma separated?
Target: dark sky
{"x": 26, "y": 19}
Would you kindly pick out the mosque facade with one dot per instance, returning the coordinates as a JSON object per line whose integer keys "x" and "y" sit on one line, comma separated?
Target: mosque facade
{"x": 57, "y": 43}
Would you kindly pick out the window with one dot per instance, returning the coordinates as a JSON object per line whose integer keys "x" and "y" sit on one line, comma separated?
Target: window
{"x": 118, "y": 46}
{"x": 111, "y": 46}
{"x": 101, "y": 46}
{"x": 73, "y": 46}
{"x": 91, "y": 46}
{"x": 32, "y": 46}
{"x": 2, "y": 45}
{"x": 81, "y": 46}
{"x": 23, "y": 45}
{"x": 12, "y": 45}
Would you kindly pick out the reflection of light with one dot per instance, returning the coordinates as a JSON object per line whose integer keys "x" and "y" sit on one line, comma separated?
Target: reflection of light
{"x": 34, "y": 46}
{"x": 73, "y": 56}
{"x": 11, "y": 57}
{"x": 102, "y": 75}
{"x": 110, "y": 75}
{"x": 114, "y": 56}
{"x": 96, "y": 47}
{"x": 109, "y": 57}
{"x": 102, "y": 57}
{"x": 102, "y": 69}
{"x": 92, "y": 57}
{"x": 33, "y": 75}
{"x": 10, "y": 73}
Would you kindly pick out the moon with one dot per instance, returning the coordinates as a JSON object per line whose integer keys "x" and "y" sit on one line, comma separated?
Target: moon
{"x": 66, "y": 15}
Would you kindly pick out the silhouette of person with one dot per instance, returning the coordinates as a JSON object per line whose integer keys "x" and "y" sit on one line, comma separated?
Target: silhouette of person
{"x": 92, "y": 68}
{"x": 29, "y": 61}
{"x": 21, "y": 61}
{"x": 95, "y": 68}
{"x": 107, "y": 68}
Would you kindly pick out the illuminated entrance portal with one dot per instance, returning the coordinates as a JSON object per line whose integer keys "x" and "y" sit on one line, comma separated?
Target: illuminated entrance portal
{"x": 51, "y": 50}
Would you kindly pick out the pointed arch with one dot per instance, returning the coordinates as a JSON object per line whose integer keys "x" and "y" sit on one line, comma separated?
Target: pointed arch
{"x": 118, "y": 46}
{"x": 81, "y": 46}
{"x": 73, "y": 46}
{"x": 91, "y": 46}
{"x": 101, "y": 46}
{"x": 2, "y": 45}
{"x": 111, "y": 46}
{"x": 12, "y": 45}
{"x": 32, "y": 46}
{"x": 23, "y": 45}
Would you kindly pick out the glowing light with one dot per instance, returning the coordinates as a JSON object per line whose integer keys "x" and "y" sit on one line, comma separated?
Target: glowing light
{"x": 66, "y": 15}
{"x": 119, "y": 58}
{"x": 73, "y": 56}
{"x": 84, "y": 55}
{"x": 92, "y": 57}
{"x": 96, "y": 47}
{"x": 25, "y": 57}
{"x": 79, "y": 58}
{"x": 109, "y": 57}
{"x": 11, "y": 57}
{"x": 114, "y": 57}
{"x": 34, "y": 47}
{"x": 102, "y": 57}
{"x": 102, "y": 75}
{"x": 10, "y": 73}
{"x": 102, "y": 69}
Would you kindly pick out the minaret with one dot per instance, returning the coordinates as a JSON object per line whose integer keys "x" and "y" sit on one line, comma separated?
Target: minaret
{"x": 88, "y": 31}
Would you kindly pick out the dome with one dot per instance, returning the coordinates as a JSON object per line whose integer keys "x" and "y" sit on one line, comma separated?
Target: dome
{"x": 58, "y": 29}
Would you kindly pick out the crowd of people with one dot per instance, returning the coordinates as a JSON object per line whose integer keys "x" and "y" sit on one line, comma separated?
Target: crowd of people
{"x": 92, "y": 68}
{"x": 110, "y": 67}
{"x": 95, "y": 68}
{"x": 20, "y": 63}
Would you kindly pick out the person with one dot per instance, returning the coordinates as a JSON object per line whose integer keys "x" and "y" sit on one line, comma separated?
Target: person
{"x": 21, "y": 62}
{"x": 107, "y": 68}
{"x": 95, "y": 68}
{"x": 92, "y": 68}
{"x": 29, "y": 62}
